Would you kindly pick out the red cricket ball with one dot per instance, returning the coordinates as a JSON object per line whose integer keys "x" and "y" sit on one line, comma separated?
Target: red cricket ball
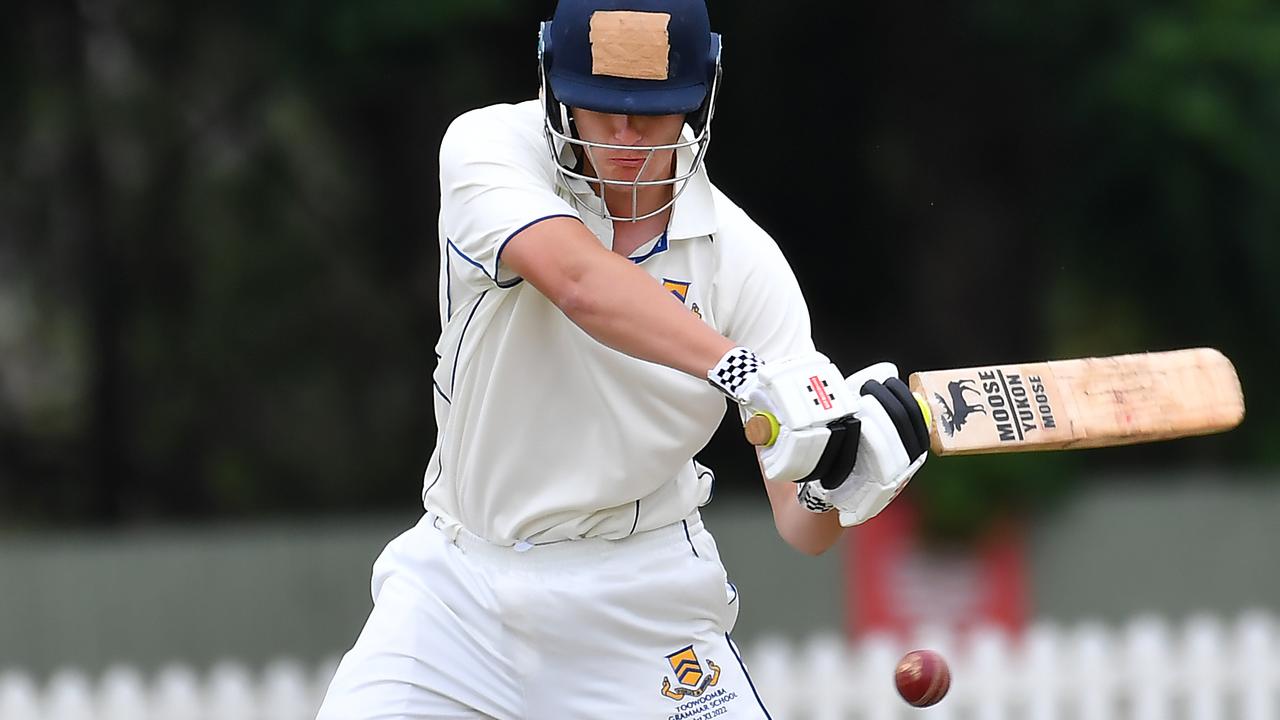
{"x": 922, "y": 677}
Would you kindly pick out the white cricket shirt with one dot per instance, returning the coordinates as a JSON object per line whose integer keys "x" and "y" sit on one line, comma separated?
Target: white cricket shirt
{"x": 544, "y": 433}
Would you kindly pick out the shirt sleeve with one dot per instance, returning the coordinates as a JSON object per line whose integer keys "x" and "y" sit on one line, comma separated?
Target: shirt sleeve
{"x": 758, "y": 294}
{"x": 496, "y": 179}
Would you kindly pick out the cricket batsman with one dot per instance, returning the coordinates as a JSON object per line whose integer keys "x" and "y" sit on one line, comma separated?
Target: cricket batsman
{"x": 600, "y": 299}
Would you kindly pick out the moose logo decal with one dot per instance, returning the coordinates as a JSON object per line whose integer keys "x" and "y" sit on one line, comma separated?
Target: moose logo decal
{"x": 955, "y": 413}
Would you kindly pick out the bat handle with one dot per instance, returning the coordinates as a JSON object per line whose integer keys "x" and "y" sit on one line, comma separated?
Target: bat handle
{"x": 924, "y": 410}
{"x": 762, "y": 428}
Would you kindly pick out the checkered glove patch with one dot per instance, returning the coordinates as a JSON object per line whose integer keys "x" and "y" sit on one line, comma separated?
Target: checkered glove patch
{"x": 730, "y": 375}
{"x": 808, "y": 497}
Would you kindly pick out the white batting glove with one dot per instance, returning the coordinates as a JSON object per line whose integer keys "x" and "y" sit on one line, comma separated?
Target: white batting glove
{"x": 893, "y": 445}
{"x": 805, "y": 393}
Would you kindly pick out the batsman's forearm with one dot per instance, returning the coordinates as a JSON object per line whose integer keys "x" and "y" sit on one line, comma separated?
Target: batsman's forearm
{"x": 622, "y": 306}
{"x": 810, "y": 533}
{"x": 612, "y": 299}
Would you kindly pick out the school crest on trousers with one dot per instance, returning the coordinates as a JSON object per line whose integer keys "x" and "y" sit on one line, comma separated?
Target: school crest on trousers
{"x": 691, "y": 679}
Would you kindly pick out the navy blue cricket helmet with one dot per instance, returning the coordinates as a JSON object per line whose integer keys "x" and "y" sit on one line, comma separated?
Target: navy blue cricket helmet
{"x": 629, "y": 57}
{"x": 610, "y": 56}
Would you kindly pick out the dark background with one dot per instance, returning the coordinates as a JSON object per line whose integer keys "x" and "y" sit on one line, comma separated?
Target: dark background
{"x": 218, "y": 252}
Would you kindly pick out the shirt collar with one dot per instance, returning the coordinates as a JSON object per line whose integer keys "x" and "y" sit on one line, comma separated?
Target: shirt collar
{"x": 694, "y": 214}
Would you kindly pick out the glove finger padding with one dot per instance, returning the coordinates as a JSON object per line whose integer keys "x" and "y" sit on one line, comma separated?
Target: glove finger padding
{"x": 881, "y": 439}
{"x": 893, "y": 444}
{"x": 886, "y": 374}
{"x": 914, "y": 412}
{"x": 902, "y": 409}
{"x": 882, "y": 469}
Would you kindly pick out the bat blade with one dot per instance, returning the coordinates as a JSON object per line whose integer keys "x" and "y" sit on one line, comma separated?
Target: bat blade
{"x": 1081, "y": 403}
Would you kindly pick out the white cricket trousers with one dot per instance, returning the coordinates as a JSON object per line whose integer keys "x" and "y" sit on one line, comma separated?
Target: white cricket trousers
{"x": 631, "y": 628}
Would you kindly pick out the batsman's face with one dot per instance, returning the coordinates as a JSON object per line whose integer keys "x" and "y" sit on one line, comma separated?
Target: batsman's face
{"x": 637, "y": 133}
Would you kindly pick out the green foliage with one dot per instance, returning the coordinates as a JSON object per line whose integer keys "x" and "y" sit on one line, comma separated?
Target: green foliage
{"x": 1163, "y": 206}
{"x": 218, "y": 268}
{"x": 959, "y": 498}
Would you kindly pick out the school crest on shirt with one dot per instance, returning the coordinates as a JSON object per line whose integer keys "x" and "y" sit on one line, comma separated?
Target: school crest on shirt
{"x": 680, "y": 288}
{"x": 691, "y": 679}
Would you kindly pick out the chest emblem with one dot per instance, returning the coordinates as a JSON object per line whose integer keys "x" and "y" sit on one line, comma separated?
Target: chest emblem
{"x": 679, "y": 288}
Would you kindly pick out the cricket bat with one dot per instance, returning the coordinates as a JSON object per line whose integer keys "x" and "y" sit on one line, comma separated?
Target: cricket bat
{"x": 1066, "y": 404}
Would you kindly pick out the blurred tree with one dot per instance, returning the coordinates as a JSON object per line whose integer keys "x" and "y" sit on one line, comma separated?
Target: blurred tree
{"x": 218, "y": 258}
{"x": 1151, "y": 134}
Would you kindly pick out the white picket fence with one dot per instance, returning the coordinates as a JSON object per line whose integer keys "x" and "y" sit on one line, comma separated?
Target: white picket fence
{"x": 1148, "y": 669}
{"x": 284, "y": 690}
{"x": 1204, "y": 668}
